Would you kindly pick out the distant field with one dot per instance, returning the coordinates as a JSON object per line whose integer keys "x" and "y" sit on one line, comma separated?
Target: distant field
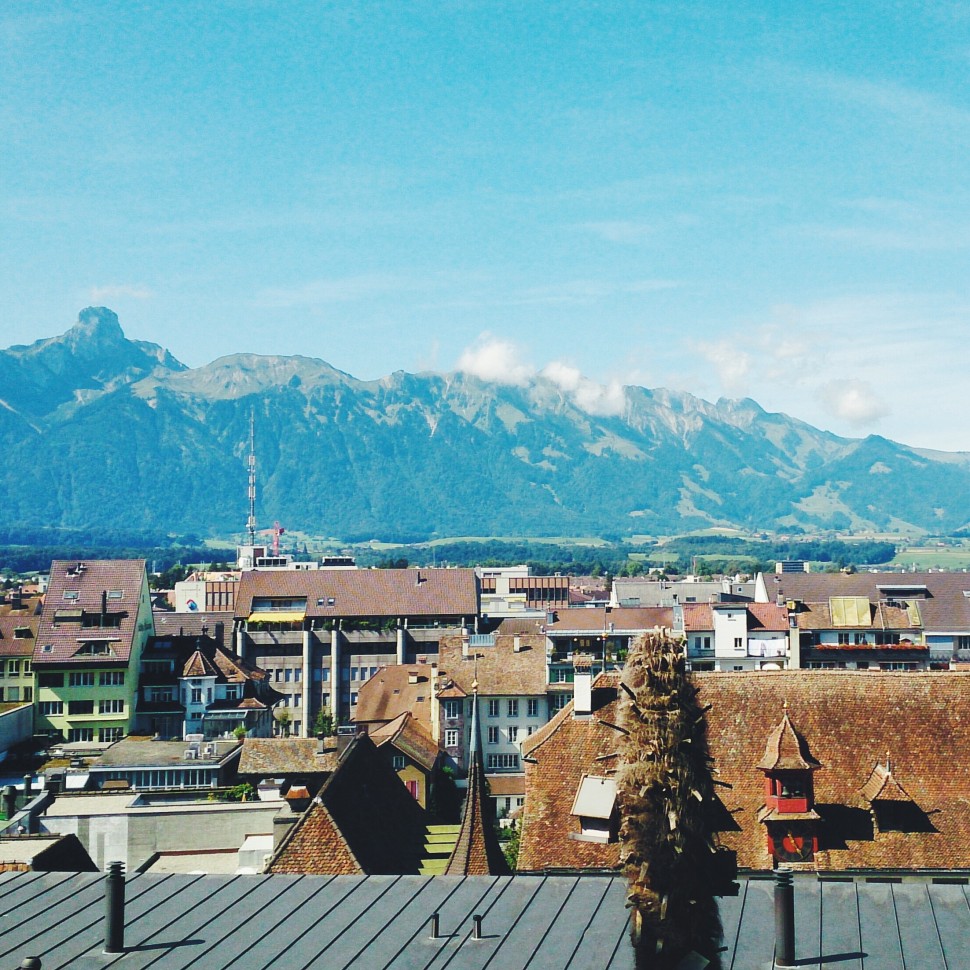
{"x": 934, "y": 557}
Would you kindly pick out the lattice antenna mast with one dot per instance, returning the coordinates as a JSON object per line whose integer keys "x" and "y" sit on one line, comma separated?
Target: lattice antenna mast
{"x": 251, "y": 523}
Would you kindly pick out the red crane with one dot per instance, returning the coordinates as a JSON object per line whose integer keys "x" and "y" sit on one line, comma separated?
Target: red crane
{"x": 275, "y": 532}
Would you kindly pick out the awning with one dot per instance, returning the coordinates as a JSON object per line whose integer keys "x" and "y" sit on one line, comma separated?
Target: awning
{"x": 277, "y": 616}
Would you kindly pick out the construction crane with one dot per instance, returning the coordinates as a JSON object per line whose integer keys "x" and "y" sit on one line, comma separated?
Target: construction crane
{"x": 275, "y": 532}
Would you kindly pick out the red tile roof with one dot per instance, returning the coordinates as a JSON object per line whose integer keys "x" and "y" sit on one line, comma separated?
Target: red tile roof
{"x": 388, "y": 694}
{"x": 13, "y": 646}
{"x": 499, "y": 669}
{"x": 410, "y": 737}
{"x": 61, "y": 634}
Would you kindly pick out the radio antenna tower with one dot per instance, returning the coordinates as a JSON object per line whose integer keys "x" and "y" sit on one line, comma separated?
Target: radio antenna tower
{"x": 251, "y": 523}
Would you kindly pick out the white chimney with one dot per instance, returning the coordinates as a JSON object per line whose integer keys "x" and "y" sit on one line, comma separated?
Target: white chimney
{"x": 582, "y": 694}
{"x": 517, "y": 644}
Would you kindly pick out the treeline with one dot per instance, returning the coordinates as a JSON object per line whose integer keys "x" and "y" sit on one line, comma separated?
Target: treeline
{"x": 835, "y": 551}
{"x": 21, "y": 559}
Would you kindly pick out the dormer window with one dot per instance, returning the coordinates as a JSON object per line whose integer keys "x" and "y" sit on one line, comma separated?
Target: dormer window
{"x": 71, "y": 595}
{"x": 595, "y": 807}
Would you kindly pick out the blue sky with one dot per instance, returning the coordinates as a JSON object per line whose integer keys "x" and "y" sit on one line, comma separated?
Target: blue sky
{"x": 733, "y": 199}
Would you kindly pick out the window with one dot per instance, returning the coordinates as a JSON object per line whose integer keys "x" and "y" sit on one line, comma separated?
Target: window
{"x": 13, "y": 694}
{"x": 739, "y": 643}
{"x": 112, "y": 678}
{"x": 80, "y": 678}
{"x": 196, "y": 695}
{"x": 451, "y": 710}
{"x": 27, "y": 667}
{"x": 160, "y": 694}
{"x": 71, "y": 595}
{"x": 113, "y": 706}
{"x": 80, "y": 734}
{"x": 557, "y": 702}
{"x": 297, "y": 700}
{"x": 325, "y": 674}
{"x": 560, "y": 675}
{"x": 493, "y": 708}
{"x": 843, "y": 638}
{"x": 297, "y": 728}
{"x": 397, "y": 761}
{"x": 287, "y": 675}
{"x": 503, "y": 761}
{"x": 451, "y": 738}
{"x": 13, "y": 667}
{"x": 353, "y": 697}
{"x": 513, "y": 732}
{"x": 298, "y": 674}
{"x": 232, "y": 692}
{"x": 533, "y": 710}
{"x": 860, "y": 638}
{"x": 51, "y": 708}
{"x": 513, "y": 708}
{"x": 110, "y": 735}
{"x": 493, "y": 735}
{"x": 355, "y": 673}
{"x": 28, "y": 693}
{"x": 80, "y": 707}
{"x": 530, "y": 730}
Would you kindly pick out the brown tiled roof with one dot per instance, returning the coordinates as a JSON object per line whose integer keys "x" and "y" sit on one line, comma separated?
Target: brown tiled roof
{"x": 787, "y": 749}
{"x": 882, "y": 786}
{"x": 849, "y": 719}
{"x": 388, "y": 694}
{"x": 477, "y": 851}
{"x": 12, "y": 646}
{"x": 199, "y": 665}
{"x": 29, "y": 606}
{"x": 818, "y": 616}
{"x": 625, "y": 619}
{"x": 500, "y": 785}
{"x": 944, "y": 608}
{"x": 364, "y": 805}
{"x": 285, "y": 756}
{"x": 410, "y": 737}
{"x": 444, "y": 593}
{"x": 556, "y": 758}
{"x": 500, "y": 670}
{"x": 65, "y": 636}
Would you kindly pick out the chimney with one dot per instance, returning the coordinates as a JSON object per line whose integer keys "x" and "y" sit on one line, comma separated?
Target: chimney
{"x": 220, "y": 633}
{"x": 345, "y": 734}
{"x": 104, "y": 605}
{"x": 412, "y": 676}
{"x": 114, "y": 908}
{"x": 517, "y": 644}
{"x": 464, "y": 643}
{"x": 582, "y": 693}
{"x": 784, "y": 919}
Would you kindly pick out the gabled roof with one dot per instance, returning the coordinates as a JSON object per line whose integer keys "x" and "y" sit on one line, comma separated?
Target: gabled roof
{"x": 444, "y": 593}
{"x": 477, "y": 852}
{"x": 410, "y": 737}
{"x": 76, "y": 588}
{"x": 787, "y": 749}
{"x": 557, "y": 757}
{"x": 389, "y": 694}
{"x": 500, "y": 670}
{"x": 883, "y": 787}
{"x": 363, "y": 820}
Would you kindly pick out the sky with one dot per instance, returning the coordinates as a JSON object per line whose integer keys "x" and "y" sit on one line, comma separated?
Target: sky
{"x": 734, "y": 199}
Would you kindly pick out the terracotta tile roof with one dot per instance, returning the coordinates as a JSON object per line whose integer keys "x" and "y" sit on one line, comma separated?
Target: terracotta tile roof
{"x": 477, "y": 851}
{"x": 286, "y": 756}
{"x": 410, "y": 737}
{"x": 61, "y": 628}
{"x": 30, "y": 605}
{"x": 10, "y": 644}
{"x": 698, "y": 616}
{"x": 363, "y": 820}
{"x": 199, "y": 665}
{"x": 501, "y": 785}
{"x": 556, "y": 758}
{"x": 767, "y": 616}
{"x": 883, "y": 787}
{"x": 850, "y": 720}
{"x": 500, "y": 670}
{"x": 787, "y": 749}
{"x": 388, "y": 694}
{"x": 445, "y": 593}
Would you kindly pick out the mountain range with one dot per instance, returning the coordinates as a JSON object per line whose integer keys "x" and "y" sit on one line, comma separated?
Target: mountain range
{"x": 97, "y": 430}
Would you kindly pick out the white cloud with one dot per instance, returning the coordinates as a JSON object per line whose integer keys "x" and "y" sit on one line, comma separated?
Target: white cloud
{"x": 600, "y": 399}
{"x": 564, "y": 376}
{"x": 733, "y": 365}
{"x": 120, "y": 291}
{"x": 498, "y": 361}
{"x": 853, "y": 401}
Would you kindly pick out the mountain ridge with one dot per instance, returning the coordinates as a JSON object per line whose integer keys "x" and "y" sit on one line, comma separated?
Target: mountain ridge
{"x": 104, "y": 431}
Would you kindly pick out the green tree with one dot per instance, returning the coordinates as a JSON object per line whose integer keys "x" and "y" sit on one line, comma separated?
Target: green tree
{"x": 511, "y": 847}
{"x": 283, "y": 720}
{"x": 323, "y": 725}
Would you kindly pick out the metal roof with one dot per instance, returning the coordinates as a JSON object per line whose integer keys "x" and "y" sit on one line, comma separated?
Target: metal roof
{"x": 381, "y": 922}
{"x": 365, "y": 922}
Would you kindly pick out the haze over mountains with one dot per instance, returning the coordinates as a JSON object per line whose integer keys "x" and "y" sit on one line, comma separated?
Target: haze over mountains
{"x": 99, "y": 430}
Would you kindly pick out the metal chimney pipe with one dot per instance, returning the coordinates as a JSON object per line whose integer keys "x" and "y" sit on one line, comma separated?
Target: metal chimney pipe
{"x": 28, "y": 787}
{"x": 30, "y": 963}
{"x": 784, "y": 918}
{"x": 477, "y": 932}
{"x": 9, "y": 801}
{"x": 114, "y": 908}
{"x": 434, "y": 927}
